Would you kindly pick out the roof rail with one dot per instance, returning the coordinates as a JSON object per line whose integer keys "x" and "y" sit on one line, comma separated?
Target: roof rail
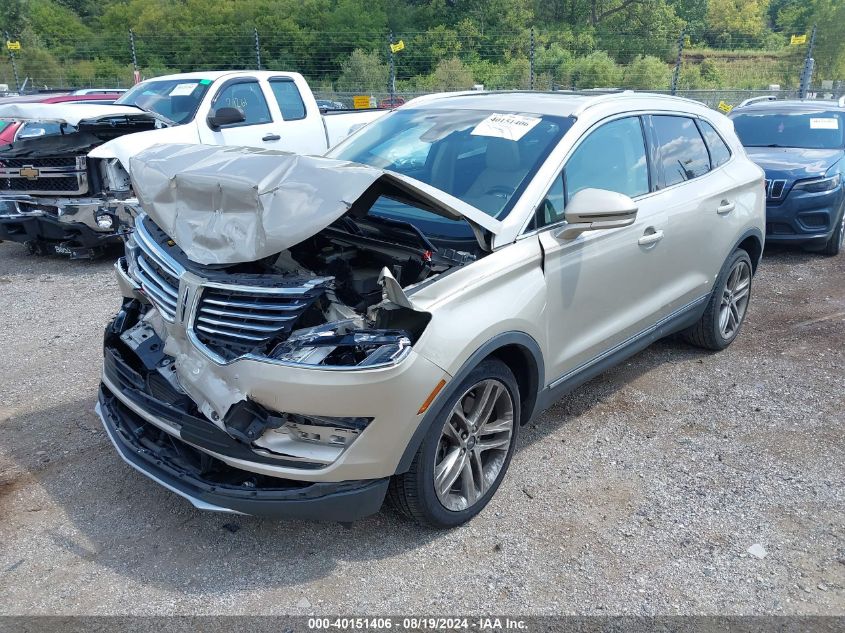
{"x": 757, "y": 99}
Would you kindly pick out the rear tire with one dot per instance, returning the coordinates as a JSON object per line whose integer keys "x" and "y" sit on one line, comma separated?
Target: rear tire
{"x": 727, "y": 306}
{"x": 465, "y": 454}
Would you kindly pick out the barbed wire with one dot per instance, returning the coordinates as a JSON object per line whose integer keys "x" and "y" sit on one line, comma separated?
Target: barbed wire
{"x": 340, "y": 62}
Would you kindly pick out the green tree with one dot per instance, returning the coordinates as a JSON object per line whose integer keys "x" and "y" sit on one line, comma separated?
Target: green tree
{"x": 596, "y": 70}
{"x": 647, "y": 72}
{"x": 739, "y": 23}
{"x": 363, "y": 72}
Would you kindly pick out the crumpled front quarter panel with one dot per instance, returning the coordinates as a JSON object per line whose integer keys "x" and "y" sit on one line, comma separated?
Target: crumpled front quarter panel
{"x": 504, "y": 291}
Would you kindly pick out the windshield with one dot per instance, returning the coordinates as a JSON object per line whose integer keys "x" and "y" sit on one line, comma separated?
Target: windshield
{"x": 483, "y": 158}
{"x": 810, "y": 130}
{"x": 174, "y": 99}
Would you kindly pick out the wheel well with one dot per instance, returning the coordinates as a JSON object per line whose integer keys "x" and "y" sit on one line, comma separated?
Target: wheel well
{"x": 754, "y": 248}
{"x": 524, "y": 367}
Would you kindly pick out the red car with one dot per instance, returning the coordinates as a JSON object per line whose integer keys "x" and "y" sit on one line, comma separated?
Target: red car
{"x": 389, "y": 104}
{"x": 13, "y": 130}
{"x": 8, "y": 129}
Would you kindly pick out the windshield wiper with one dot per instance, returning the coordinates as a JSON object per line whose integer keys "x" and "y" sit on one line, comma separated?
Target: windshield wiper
{"x": 408, "y": 226}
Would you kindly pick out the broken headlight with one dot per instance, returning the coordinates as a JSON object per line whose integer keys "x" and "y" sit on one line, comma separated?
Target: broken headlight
{"x": 342, "y": 345}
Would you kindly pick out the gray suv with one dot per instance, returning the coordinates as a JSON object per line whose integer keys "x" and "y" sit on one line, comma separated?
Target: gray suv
{"x": 303, "y": 337}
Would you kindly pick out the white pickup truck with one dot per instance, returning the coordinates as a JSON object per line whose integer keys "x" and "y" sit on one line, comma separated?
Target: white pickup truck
{"x": 68, "y": 190}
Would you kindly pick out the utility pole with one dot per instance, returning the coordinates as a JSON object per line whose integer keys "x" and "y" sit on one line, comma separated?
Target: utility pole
{"x": 257, "y": 48}
{"x": 676, "y": 74}
{"x": 531, "y": 60}
{"x": 392, "y": 86}
{"x": 807, "y": 70}
{"x": 136, "y": 75}
{"x": 14, "y": 63}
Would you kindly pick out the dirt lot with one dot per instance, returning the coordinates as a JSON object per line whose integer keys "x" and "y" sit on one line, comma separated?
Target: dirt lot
{"x": 641, "y": 493}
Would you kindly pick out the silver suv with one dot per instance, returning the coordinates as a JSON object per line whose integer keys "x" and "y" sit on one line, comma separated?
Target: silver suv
{"x": 302, "y": 337}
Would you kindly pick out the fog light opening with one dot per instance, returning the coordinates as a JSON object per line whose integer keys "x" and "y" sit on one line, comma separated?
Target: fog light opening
{"x": 105, "y": 221}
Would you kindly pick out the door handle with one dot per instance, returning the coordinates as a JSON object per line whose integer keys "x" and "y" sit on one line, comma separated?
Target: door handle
{"x": 272, "y": 137}
{"x": 725, "y": 207}
{"x": 650, "y": 238}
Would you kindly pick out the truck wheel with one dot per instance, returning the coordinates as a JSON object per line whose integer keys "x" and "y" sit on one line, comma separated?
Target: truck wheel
{"x": 466, "y": 453}
{"x": 726, "y": 307}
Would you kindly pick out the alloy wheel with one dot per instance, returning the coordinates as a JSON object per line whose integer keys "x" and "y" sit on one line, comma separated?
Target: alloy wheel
{"x": 735, "y": 299}
{"x": 473, "y": 444}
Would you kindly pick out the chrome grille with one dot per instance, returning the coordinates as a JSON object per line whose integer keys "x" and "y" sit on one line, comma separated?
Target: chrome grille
{"x": 65, "y": 175}
{"x": 775, "y": 189}
{"x": 249, "y": 317}
{"x": 159, "y": 279}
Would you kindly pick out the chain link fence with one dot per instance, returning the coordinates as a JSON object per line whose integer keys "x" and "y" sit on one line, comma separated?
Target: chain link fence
{"x": 394, "y": 67}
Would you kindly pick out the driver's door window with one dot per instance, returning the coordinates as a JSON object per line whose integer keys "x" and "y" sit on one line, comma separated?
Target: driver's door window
{"x": 249, "y": 98}
{"x": 612, "y": 157}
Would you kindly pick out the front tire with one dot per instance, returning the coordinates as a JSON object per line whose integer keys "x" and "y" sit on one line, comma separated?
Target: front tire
{"x": 727, "y": 306}
{"x": 465, "y": 454}
{"x": 834, "y": 244}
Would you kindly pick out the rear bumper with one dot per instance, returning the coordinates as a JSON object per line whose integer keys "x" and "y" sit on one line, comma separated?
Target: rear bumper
{"x": 264, "y": 497}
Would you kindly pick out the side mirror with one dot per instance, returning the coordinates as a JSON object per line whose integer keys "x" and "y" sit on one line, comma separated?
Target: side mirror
{"x": 595, "y": 209}
{"x": 225, "y": 116}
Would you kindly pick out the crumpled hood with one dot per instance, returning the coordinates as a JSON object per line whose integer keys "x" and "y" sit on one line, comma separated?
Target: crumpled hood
{"x": 70, "y": 113}
{"x": 792, "y": 163}
{"x": 226, "y": 205}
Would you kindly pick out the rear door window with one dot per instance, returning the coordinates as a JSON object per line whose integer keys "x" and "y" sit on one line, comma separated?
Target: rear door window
{"x": 681, "y": 150}
{"x": 289, "y": 100}
{"x": 719, "y": 152}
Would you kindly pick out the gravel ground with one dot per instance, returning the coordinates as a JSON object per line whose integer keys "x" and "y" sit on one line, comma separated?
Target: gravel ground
{"x": 639, "y": 494}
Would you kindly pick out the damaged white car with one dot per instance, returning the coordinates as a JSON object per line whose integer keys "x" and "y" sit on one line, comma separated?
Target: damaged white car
{"x": 302, "y": 337}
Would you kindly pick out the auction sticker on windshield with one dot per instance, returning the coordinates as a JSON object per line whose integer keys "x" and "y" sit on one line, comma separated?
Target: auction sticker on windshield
{"x": 824, "y": 123}
{"x": 182, "y": 90}
{"x": 508, "y": 126}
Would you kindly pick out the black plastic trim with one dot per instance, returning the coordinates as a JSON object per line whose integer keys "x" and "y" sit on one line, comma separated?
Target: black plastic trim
{"x": 675, "y": 322}
{"x": 319, "y": 501}
{"x": 47, "y": 230}
{"x": 519, "y": 339}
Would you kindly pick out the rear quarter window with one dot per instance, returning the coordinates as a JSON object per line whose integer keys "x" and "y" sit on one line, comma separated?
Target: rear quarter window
{"x": 683, "y": 154}
{"x": 719, "y": 152}
{"x": 289, "y": 100}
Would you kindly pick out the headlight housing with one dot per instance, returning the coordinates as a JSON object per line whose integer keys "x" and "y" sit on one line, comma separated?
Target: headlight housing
{"x": 819, "y": 185}
{"x": 340, "y": 345}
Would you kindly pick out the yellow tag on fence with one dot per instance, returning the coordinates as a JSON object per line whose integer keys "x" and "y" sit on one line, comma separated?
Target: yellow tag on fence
{"x": 13, "y": 45}
{"x": 398, "y": 46}
{"x": 795, "y": 40}
{"x": 725, "y": 107}
{"x": 360, "y": 102}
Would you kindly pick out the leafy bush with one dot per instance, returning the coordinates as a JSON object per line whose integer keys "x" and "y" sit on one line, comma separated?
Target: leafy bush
{"x": 363, "y": 72}
{"x": 596, "y": 70}
{"x": 647, "y": 72}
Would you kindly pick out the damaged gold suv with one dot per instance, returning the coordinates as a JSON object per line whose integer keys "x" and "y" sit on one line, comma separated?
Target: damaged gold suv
{"x": 303, "y": 337}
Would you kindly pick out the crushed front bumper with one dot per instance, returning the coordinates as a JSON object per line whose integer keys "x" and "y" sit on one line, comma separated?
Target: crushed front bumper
{"x": 64, "y": 225}
{"x": 179, "y": 467}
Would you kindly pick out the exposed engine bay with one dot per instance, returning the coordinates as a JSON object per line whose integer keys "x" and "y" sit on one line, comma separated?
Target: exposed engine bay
{"x": 56, "y": 164}
{"x": 277, "y": 255}
{"x": 334, "y": 299}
